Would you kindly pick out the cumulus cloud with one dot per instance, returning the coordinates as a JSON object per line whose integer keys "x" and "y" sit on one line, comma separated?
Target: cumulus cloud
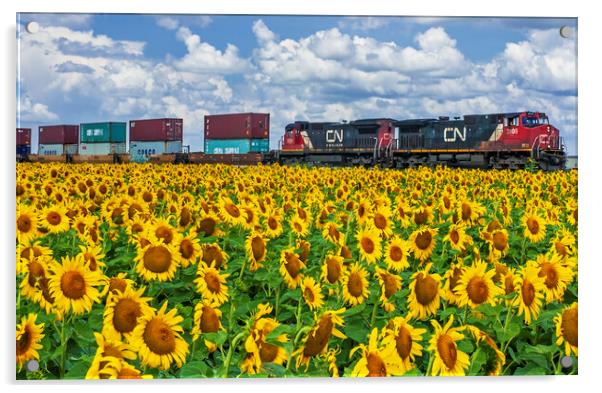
{"x": 168, "y": 22}
{"x": 364, "y": 23}
{"x": 32, "y": 111}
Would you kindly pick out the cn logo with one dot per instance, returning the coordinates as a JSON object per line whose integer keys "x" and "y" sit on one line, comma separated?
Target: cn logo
{"x": 450, "y": 134}
{"x": 334, "y": 136}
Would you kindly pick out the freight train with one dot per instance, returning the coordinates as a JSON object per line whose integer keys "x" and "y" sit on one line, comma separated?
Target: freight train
{"x": 497, "y": 141}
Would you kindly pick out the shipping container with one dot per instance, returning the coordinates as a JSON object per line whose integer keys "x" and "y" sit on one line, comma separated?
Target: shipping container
{"x": 166, "y": 129}
{"x": 106, "y": 132}
{"x": 23, "y": 150}
{"x": 236, "y": 146}
{"x": 141, "y": 151}
{"x": 237, "y": 126}
{"x": 101, "y": 148}
{"x": 23, "y": 136}
{"x": 59, "y": 134}
{"x": 50, "y": 149}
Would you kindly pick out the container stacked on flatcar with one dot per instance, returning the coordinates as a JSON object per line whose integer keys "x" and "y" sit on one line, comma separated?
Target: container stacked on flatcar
{"x": 154, "y": 137}
{"x": 102, "y": 138}
{"x": 237, "y": 133}
{"x": 23, "y": 143}
{"x": 57, "y": 140}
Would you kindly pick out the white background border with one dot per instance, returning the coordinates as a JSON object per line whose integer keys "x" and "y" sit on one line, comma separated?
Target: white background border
{"x": 590, "y": 105}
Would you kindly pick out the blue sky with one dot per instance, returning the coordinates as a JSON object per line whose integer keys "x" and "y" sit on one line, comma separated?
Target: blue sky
{"x": 81, "y": 67}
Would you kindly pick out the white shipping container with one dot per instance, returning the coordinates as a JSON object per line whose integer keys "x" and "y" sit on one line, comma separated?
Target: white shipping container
{"x": 101, "y": 148}
{"x": 140, "y": 151}
{"x": 50, "y": 149}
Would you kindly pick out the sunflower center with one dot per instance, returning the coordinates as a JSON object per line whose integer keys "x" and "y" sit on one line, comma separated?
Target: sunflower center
{"x": 500, "y": 241}
{"x": 157, "y": 259}
{"x": 24, "y": 342}
{"x": 425, "y": 289}
{"x": 509, "y": 284}
{"x": 345, "y": 252}
{"x": 447, "y": 350}
{"x": 528, "y": 292}
{"x": 147, "y": 196}
{"x": 446, "y": 202}
{"x": 454, "y": 236}
{"x": 494, "y": 225}
{"x": 333, "y": 233}
{"x": 117, "y": 284}
{"x": 207, "y": 226}
{"x": 232, "y": 210}
{"x": 569, "y": 326}
{"x": 548, "y": 271}
{"x": 134, "y": 209}
{"x": 117, "y": 216}
{"x": 361, "y": 211}
{"x": 53, "y": 218}
{"x": 420, "y": 217}
{"x": 305, "y": 248}
{"x": 186, "y": 248}
{"x": 213, "y": 283}
{"x": 164, "y": 233}
{"x": 125, "y": 315}
{"x": 376, "y": 366}
{"x": 477, "y": 290}
{"x": 209, "y": 320}
{"x": 453, "y": 281}
{"x": 423, "y": 240}
{"x": 333, "y": 270}
{"x": 533, "y": 225}
{"x": 395, "y": 253}
{"x": 292, "y": 264}
{"x": 403, "y": 342}
{"x": 159, "y": 337}
{"x": 318, "y": 339}
{"x": 561, "y": 249}
{"x": 110, "y": 350}
{"x": 380, "y": 221}
{"x": 267, "y": 352}
{"x": 466, "y": 211}
{"x": 355, "y": 285}
{"x": 258, "y": 248}
{"x": 36, "y": 271}
{"x": 128, "y": 373}
{"x": 211, "y": 254}
{"x": 73, "y": 285}
{"x": 185, "y": 217}
{"x": 390, "y": 283}
{"x": 272, "y": 223}
{"x": 24, "y": 223}
{"x": 367, "y": 245}
{"x": 308, "y": 294}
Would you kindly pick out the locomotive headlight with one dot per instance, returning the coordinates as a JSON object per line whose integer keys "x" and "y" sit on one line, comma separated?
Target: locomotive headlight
{"x": 548, "y": 129}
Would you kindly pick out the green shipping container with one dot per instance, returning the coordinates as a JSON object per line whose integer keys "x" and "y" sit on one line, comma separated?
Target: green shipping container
{"x": 107, "y": 132}
{"x": 236, "y": 146}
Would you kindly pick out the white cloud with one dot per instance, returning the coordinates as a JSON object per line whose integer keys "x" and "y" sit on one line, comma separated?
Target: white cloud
{"x": 168, "y": 22}
{"x": 31, "y": 111}
{"x": 66, "y": 20}
{"x": 364, "y": 23}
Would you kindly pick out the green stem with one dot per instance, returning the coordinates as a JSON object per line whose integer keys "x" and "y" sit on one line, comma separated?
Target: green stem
{"x": 295, "y": 341}
{"x": 430, "y": 365}
{"x": 63, "y": 352}
{"x": 193, "y": 349}
{"x": 373, "y": 317}
{"x": 233, "y": 345}
{"x": 277, "y": 307}
{"x": 299, "y": 311}
{"x": 242, "y": 269}
{"x": 509, "y": 316}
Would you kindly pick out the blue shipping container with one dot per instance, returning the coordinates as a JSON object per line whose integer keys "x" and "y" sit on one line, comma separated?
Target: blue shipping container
{"x": 23, "y": 150}
{"x": 236, "y": 146}
{"x": 141, "y": 151}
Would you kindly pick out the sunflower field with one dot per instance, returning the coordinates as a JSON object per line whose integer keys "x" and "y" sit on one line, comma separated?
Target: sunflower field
{"x": 171, "y": 271}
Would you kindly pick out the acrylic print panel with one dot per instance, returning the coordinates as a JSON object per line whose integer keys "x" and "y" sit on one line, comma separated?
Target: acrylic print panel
{"x": 404, "y": 203}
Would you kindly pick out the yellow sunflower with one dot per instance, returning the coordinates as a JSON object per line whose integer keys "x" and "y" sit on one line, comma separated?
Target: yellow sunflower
{"x": 119, "y": 369}
{"x": 425, "y": 293}
{"x": 362, "y": 211}
{"x": 380, "y": 220}
{"x": 230, "y": 212}
{"x": 312, "y": 293}
{"x": 299, "y": 227}
{"x": 498, "y": 243}
{"x": 214, "y": 255}
{"x": 448, "y": 359}
{"x": 157, "y": 260}
{"x": 123, "y": 312}
{"x": 54, "y": 219}
{"x": 369, "y": 245}
{"x": 211, "y": 284}
{"x": 27, "y": 223}
{"x": 259, "y": 350}
{"x": 273, "y": 224}
{"x": 290, "y": 267}
{"x": 332, "y": 233}
{"x": 73, "y": 285}
{"x": 494, "y": 368}
{"x": 207, "y": 319}
{"x": 476, "y": 286}
{"x": 316, "y": 341}
{"x": 333, "y": 269}
{"x": 535, "y": 228}
{"x": 355, "y": 285}
{"x": 189, "y": 248}
{"x": 29, "y": 335}
{"x": 452, "y": 278}
{"x": 556, "y": 276}
{"x": 468, "y": 212}
{"x": 530, "y": 289}
{"x": 422, "y": 242}
{"x": 406, "y": 340}
{"x": 93, "y": 257}
{"x": 107, "y": 352}
{"x": 457, "y": 238}
{"x": 390, "y": 284}
{"x": 158, "y": 339}
{"x": 567, "y": 329}
{"x": 377, "y": 359}
{"x": 256, "y": 248}
{"x": 396, "y": 254}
